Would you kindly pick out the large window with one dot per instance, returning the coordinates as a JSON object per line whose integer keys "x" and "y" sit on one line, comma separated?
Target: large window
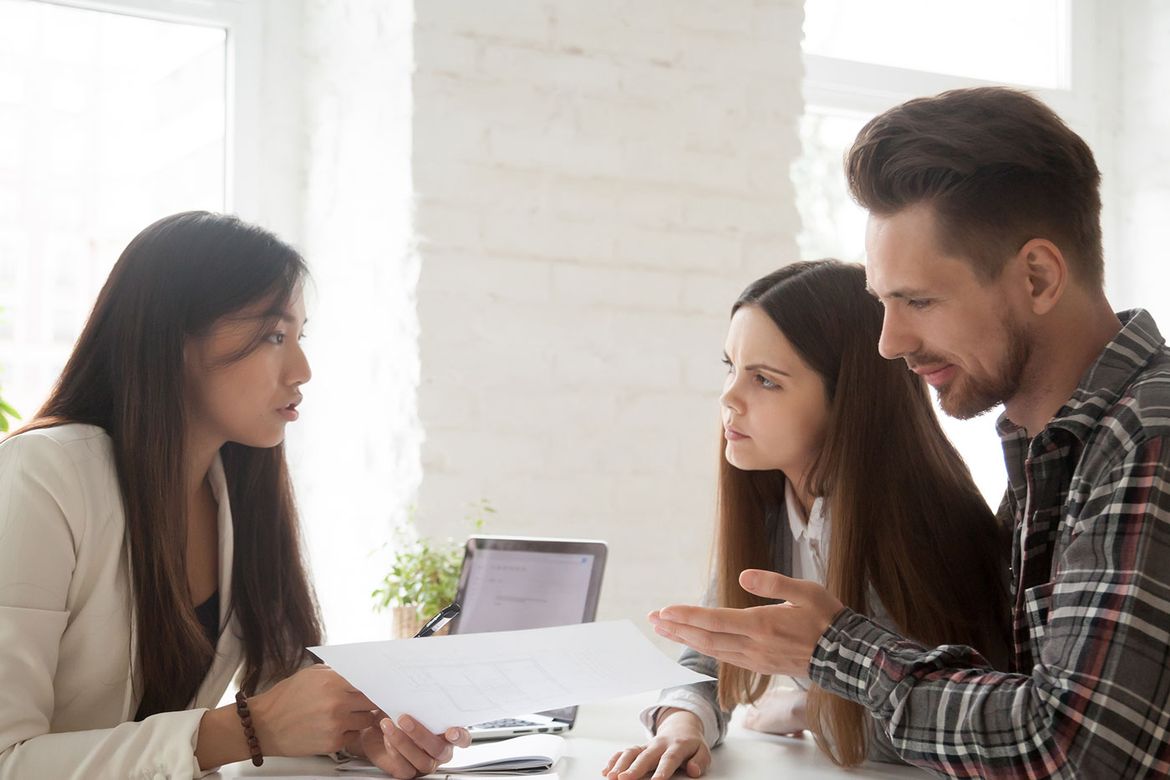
{"x": 109, "y": 119}
{"x": 863, "y": 57}
{"x": 115, "y": 113}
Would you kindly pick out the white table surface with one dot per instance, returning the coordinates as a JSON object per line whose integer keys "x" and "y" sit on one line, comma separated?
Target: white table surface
{"x": 603, "y": 729}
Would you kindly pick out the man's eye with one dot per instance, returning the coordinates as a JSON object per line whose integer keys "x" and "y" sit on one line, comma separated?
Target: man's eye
{"x": 918, "y": 303}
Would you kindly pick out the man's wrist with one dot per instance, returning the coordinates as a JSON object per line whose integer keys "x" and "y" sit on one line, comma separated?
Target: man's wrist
{"x": 843, "y": 660}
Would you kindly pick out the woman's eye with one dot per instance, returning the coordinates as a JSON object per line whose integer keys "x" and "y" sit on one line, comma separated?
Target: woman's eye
{"x": 765, "y": 382}
{"x": 276, "y": 338}
{"x": 727, "y": 363}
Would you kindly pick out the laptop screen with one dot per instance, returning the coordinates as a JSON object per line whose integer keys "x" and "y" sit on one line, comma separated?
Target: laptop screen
{"x": 514, "y": 584}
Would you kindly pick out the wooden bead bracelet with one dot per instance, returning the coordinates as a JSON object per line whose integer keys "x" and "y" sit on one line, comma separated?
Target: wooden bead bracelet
{"x": 249, "y": 731}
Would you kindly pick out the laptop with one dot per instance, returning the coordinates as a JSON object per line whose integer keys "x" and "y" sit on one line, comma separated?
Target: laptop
{"x": 510, "y": 583}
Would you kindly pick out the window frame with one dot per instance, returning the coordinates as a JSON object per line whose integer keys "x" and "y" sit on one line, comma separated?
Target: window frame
{"x": 849, "y": 85}
{"x": 862, "y": 86}
{"x": 263, "y": 160}
{"x": 243, "y": 23}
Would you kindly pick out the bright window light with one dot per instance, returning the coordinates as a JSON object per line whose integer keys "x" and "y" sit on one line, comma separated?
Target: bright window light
{"x": 1008, "y": 41}
{"x": 832, "y": 225}
{"x": 107, "y": 122}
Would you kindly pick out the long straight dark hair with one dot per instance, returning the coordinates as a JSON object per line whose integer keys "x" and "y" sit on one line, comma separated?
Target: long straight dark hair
{"x": 907, "y": 519}
{"x": 126, "y": 375}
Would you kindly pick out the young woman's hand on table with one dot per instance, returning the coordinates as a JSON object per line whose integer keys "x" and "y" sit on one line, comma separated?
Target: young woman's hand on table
{"x": 678, "y": 744}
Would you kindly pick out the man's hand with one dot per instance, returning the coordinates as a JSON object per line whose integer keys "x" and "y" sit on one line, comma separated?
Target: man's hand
{"x": 775, "y": 639}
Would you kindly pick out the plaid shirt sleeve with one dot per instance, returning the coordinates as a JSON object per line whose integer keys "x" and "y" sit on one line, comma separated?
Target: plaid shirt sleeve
{"x": 1095, "y": 702}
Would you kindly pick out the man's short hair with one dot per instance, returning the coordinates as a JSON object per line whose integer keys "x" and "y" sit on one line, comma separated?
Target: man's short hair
{"x": 998, "y": 168}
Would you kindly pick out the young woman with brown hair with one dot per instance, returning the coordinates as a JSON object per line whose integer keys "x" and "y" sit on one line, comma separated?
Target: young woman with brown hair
{"x": 834, "y": 468}
{"x": 149, "y": 545}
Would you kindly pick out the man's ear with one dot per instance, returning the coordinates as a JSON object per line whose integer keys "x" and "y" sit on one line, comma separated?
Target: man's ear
{"x": 1046, "y": 273}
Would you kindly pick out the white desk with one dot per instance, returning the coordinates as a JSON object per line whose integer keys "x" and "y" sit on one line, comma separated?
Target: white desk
{"x": 603, "y": 729}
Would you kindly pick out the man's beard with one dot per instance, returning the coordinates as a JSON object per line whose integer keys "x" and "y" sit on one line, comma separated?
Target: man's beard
{"x": 968, "y": 396}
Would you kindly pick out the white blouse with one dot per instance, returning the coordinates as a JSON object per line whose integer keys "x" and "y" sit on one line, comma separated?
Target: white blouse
{"x": 811, "y": 532}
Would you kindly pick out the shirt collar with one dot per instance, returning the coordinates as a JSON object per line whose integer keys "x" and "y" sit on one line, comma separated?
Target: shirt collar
{"x": 811, "y": 525}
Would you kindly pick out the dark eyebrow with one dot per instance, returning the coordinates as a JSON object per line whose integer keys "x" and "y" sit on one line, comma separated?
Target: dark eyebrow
{"x": 761, "y": 367}
{"x": 769, "y": 369}
{"x": 283, "y": 315}
{"x": 900, "y": 294}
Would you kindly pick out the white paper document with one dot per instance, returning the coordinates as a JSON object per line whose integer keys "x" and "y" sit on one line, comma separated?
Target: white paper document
{"x": 471, "y": 678}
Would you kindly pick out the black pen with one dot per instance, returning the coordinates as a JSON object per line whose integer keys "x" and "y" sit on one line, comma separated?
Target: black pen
{"x": 439, "y": 620}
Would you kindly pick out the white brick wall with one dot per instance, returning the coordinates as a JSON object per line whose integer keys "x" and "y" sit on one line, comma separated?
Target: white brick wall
{"x": 594, "y": 183}
{"x": 355, "y": 452}
{"x": 1142, "y": 156}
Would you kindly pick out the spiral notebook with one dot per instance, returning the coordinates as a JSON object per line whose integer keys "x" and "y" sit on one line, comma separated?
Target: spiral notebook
{"x": 530, "y": 754}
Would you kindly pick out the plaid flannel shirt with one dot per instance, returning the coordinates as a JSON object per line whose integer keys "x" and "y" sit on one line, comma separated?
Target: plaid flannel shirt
{"x": 1089, "y": 688}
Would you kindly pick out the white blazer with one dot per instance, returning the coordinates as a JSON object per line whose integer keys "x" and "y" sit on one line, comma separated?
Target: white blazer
{"x": 69, "y": 683}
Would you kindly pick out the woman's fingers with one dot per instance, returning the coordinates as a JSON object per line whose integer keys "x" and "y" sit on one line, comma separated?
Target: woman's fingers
{"x": 459, "y": 737}
{"x": 400, "y": 743}
{"x": 435, "y": 745}
{"x": 612, "y": 760}
{"x": 386, "y": 757}
{"x": 671, "y": 760}
{"x": 624, "y": 759}
{"x": 644, "y": 763}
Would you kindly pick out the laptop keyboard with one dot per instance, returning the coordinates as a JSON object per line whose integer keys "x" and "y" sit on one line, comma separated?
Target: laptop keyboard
{"x": 504, "y": 723}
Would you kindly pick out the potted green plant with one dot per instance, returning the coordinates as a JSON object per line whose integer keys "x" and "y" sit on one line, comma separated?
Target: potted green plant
{"x": 7, "y": 414}
{"x": 424, "y": 573}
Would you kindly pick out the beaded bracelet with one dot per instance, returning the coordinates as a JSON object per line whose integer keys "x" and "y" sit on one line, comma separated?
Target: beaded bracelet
{"x": 249, "y": 731}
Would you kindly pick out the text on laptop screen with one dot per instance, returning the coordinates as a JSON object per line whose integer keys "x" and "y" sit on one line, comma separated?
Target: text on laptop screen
{"x": 509, "y": 590}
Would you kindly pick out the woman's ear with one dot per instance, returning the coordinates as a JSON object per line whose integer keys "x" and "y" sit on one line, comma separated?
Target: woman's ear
{"x": 1046, "y": 273}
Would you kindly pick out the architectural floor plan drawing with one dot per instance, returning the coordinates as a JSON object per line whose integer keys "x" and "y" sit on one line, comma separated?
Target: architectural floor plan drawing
{"x": 476, "y": 685}
{"x": 469, "y": 678}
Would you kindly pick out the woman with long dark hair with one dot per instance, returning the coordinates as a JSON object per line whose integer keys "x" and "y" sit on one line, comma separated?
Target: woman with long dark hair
{"x": 149, "y": 545}
{"x": 833, "y": 468}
